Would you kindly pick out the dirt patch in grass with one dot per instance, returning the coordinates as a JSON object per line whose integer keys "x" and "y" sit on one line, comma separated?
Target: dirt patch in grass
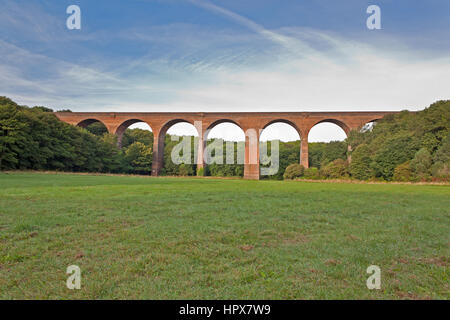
{"x": 352, "y": 237}
{"x": 403, "y": 261}
{"x": 332, "y": 262}
{"x": 437, "y": 261}
{"x": 79, "y": 255}
{"x": 411, "y": 296}
{"x": 299, "y": 238}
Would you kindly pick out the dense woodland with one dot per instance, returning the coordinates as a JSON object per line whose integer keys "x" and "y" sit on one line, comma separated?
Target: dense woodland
{"x": 409, "y": 146}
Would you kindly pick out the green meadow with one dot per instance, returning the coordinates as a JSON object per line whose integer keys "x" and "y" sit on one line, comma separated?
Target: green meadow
{"x": 197, "y": 238}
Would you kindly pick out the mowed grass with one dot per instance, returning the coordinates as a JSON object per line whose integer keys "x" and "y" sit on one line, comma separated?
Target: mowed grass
{"x": 181, "y": 238}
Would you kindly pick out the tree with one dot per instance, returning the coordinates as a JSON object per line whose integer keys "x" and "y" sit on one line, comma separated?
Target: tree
{"x": 403, "y": 172}
{"x": 394, "y": 151}
{"x": 321, "y": 153}
{"x": 9, "y": 136}
{"x": 421, "y": 164}
{"x": 312, "y": 173}
{"x": 360, "y": 164}
{"x": 441, "y": 160}
{"x": 294, "y": 171}
{"x": 97, "y": 128}
{"x": 137, "y": 135}
{"x": 139, "y": 158}
{"x": 397, "y": 137}
{"x": 335, "y": 169}
{"x": 185, "y": 170}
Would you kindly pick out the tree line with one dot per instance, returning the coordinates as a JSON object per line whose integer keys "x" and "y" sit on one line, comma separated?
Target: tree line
{"x": 408, "y": 146}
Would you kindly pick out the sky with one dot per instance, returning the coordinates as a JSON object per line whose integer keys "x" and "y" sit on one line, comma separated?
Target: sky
{"x": 233, "y": 55}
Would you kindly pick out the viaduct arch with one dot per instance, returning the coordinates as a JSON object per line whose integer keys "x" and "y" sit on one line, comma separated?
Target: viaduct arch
{"x": 252, "y": 123}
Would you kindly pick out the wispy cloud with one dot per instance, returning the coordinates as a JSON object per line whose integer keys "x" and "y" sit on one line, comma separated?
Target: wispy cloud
{"x": 186, "y": 67}
{"x": 295, "y": 46}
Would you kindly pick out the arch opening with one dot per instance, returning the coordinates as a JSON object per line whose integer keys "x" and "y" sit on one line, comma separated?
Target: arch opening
{"x": 94, "y": 126}
{"x": 327, "y": 131}
{"x": 134, "y": 131}
{"x": 132, "y": 124}
{"x": 179, "y": 139}
{"x": 279, "y": 147}
{"x": 226, "y": 130}
{"x": 280, "y": 130}
{"x": 135, "y": 139}
{"x": 327, "y": 143}
{"x": 224, "y": 149}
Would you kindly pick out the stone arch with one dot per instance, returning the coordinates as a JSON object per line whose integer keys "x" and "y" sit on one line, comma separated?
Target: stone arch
{"x": 158, "y": 156}
{"x": 94, "y": 126}
{"x": 166, "y": 126}
{"x": 285, "y": 121}
{"x": 86, "y": 122}
{"x": 220, "y": 121}
{"x": 269, "y": 148}
{"x": 340, "y": 124}
{"x": 127, "y": 123}
{"x": 124, "y": 126}
{"x": 337, "y": 122}
{"x": 304, "y": 154}
{"x": 339, "y": 136}
{"x": 231, "y": 162}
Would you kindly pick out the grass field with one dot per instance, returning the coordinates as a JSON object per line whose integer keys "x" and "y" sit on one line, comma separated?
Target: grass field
{"x": 181, "y": 238}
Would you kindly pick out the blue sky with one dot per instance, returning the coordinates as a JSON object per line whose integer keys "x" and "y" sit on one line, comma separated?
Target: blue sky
{"x": 199, "y": 55}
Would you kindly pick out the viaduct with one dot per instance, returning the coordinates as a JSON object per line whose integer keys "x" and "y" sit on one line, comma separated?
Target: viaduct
{"x": 252, "y": 123}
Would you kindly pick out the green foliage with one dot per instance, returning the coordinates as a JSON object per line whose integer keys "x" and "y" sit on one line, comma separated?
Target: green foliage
{"x": 421, "y": 164}
{"x": 139, "y": 157}
{"x": 403, "y": 172}
{"x": 97, "y": 128}
{"x": 200, "y": 172}
{"x": 397, "y": 138}
{"x": 173, "y": 169}
{"x": 441, "y": 160}
{"x": 335, "y": 169}
{"x": 394, "y": 151}
{"x": 43, "y": 109}
{"x": 289, "y": 152}
{"x": 226, "y": 170}
{"x": 293, "y": 171}
{"x": 185, "y": 170}
{"x": 320, "y": 153}
{"x": 441, "y": 170}
{"x": 443, "y": 153}
{"x": 131, "y": 136}
{"x": 10, "y": 137}
{"x": 33, "y": 138}
{"x": 312, "y": 173}
{"x": 360, "y": 166}
{"x": 113, "y": 158}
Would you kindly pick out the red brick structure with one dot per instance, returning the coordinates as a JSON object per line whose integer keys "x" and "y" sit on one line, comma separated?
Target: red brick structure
{"x": 251, "y": 123}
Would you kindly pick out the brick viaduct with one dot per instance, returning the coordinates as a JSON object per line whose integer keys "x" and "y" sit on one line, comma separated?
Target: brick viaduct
{"x": 251, "y": 123}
